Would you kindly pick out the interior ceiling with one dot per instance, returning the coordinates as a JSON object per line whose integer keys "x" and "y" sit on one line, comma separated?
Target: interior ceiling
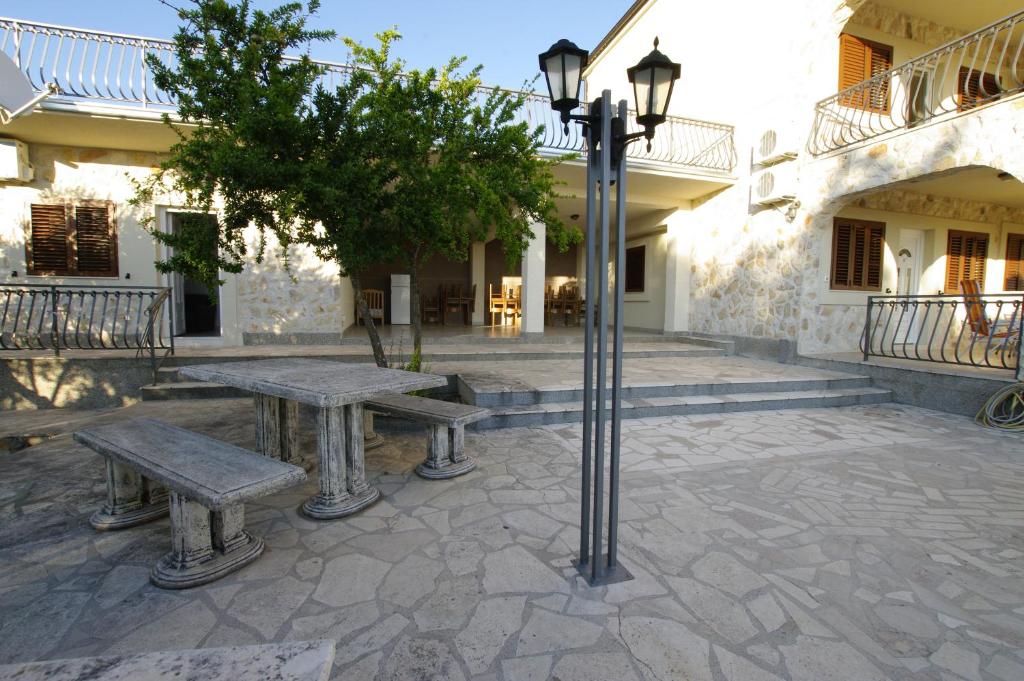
{"x": 966, "y": 15}
{"x": 976, "y": 184}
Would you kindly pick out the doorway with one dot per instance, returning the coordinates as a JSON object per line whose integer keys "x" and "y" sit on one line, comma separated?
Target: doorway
{"x": 196, "y": 313}
{"x": 909, "y": 262}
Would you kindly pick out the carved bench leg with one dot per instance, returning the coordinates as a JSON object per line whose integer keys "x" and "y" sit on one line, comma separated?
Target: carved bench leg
{"x": 371, "y": 438}
{"x": 131, "y": 499}
{"x": 446, "y": 457}
{"x": 205, "y": 546}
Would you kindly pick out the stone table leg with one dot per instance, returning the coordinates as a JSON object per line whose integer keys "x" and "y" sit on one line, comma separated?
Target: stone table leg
{"x": 204, "y": 546}
{"x": 446, "y": 457}
{"x": 131, "y": 499}
{"x": 343, "y": 488}
{"x": 277, "y": 428}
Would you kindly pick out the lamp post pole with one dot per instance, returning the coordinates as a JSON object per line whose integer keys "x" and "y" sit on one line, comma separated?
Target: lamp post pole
{"x": 606, "y": 137}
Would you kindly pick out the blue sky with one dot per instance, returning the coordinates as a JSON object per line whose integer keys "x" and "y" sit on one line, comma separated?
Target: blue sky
{"x": 503, "y": 35}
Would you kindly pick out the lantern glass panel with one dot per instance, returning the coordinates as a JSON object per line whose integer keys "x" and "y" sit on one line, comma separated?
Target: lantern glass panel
{"x": 662, "y": 89}
{"x": 642, "y": 90}
{"x": 556, "y": 77}
{"x": 572, "y": 76}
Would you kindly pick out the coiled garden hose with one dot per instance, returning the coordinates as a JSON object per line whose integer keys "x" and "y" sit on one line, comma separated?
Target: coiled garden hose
{"x": 1005, "y": 409}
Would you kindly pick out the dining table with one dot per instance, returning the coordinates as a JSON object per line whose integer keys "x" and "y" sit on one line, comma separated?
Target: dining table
{"x": 337, "y": 390}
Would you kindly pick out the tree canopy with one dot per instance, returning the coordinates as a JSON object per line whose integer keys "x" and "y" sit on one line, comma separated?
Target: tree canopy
{"x": 383, "y": 164}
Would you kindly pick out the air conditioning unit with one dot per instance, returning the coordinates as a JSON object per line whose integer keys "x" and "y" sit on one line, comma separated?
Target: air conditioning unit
{"x": 775, "y": 147}
{"x": 14, "y": 165}
{"x": 774, "y": 185}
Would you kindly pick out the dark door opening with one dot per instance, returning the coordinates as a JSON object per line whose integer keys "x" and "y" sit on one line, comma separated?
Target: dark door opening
{"x": 195, "y": 314}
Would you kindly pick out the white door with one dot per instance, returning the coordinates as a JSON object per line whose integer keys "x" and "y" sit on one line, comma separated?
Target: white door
{"x": 909, "y": 262}
{"x": 175, "y": 280}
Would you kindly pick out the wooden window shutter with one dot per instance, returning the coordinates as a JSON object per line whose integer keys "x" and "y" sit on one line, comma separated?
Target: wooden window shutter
{"x": 860, "y": 60}
{"x": 72, "y": 240}
{"x": 974, "y": 88}
{"x": 1014, "y": 276}
{"x": 857, "y": 255}
{"x": 875, "y": 236}
{"x": 966, "y": 255}
{"x": 48, "y": 247}
{"x": 95, "y": 241}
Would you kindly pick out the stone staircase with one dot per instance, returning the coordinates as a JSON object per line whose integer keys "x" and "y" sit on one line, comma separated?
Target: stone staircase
{"x": 529, "y": 386}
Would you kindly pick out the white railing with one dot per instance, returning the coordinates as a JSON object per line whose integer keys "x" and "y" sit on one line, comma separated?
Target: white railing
{"x": 976, "y": 69}
{"x": 111, "y": 69}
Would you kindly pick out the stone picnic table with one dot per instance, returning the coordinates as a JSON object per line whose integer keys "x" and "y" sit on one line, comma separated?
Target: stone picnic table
{"x": 337, "y": 390}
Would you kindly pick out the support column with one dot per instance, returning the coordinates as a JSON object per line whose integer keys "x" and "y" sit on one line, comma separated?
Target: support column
{"x": 678, "y": 261}
{"x": 477, "y": 259}
{"x": 131, "y": 499}
{"x": 343, "y": 488}
{"x": 533, "y": 282}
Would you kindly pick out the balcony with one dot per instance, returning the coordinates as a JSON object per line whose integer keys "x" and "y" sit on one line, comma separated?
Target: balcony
{"x": 101, "y": 71}
{"x": 958, "y": 77}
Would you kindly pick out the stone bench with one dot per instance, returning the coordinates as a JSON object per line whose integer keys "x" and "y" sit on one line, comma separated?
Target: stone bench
{"x": 209, "y": 482}
{"x": 447, "y": 421}
{"x": 298, "y": 661}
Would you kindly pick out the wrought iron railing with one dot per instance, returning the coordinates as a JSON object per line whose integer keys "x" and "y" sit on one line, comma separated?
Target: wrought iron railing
{"x": 111, "y": 68}
{"x": 42, "y": 317}
{"x": 981, "y": 330}
{"x": 976, "y": 69}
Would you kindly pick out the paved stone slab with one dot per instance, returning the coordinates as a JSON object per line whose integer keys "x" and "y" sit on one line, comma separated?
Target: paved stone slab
{"x": 836, "y": 510}
{"x": 309, "y": 661}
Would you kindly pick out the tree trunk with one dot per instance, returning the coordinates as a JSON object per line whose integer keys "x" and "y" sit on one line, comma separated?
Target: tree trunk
{"x": 378, "y": 349}
{"x": 417, "y": 318}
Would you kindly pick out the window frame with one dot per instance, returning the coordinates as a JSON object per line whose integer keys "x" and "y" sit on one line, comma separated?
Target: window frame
{"x": 857, "y": 224}
{"x": 642, "y": 249}
{"x": 72, "y": 268}
{"x": 873, "y": 46}
{"x": 955, "y": 290}
{"x": 966, "y": 76}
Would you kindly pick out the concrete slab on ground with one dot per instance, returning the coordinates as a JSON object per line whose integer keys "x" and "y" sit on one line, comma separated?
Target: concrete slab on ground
{"x": 869, "y": 542}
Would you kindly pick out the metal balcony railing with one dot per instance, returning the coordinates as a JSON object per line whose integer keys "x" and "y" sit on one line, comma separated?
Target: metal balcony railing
{"x": 975, "y": 330}
{"x": 976, "y": 69}
{"x": 111, "y": 69}
{"x": 42, "y": 317}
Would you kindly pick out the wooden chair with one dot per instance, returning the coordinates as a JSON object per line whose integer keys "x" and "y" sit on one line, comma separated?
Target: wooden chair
{"x": 572, "y": 305}
{"x": 430, "y": 307}
{"x": 495, "y": 303}
{"x": 375, "y": 301}
{"x": 981, "y": 325}
{"x": 513, "y": 306}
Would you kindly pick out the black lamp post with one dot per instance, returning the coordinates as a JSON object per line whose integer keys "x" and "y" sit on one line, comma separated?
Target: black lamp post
{"x": 653, "y": 79}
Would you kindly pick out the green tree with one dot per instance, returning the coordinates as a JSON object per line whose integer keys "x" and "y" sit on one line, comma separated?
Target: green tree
{"x": 381, "y": 166}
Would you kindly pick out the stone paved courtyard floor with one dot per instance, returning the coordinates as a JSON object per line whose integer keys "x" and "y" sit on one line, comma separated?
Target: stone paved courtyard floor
{"x": 863, "y": 543}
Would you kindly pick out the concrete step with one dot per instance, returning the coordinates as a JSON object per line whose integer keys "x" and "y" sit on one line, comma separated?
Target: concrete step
{"x": 167, "y": 373}
{"x": 190, "y": 390}
{"x": 572, "y": 412}
{"x": 510, "y": 396}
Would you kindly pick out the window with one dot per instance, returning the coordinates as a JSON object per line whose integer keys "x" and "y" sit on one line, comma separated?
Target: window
{"x": 860, "y": 60}
{"x": 1014, "y": 277}
{"x": 965, "y": 259}
{"x": 635, "y": 258}
{"x": 857, "y": 254}
{"x": 72, "y": 240}
{"x": 974, "y": 88}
